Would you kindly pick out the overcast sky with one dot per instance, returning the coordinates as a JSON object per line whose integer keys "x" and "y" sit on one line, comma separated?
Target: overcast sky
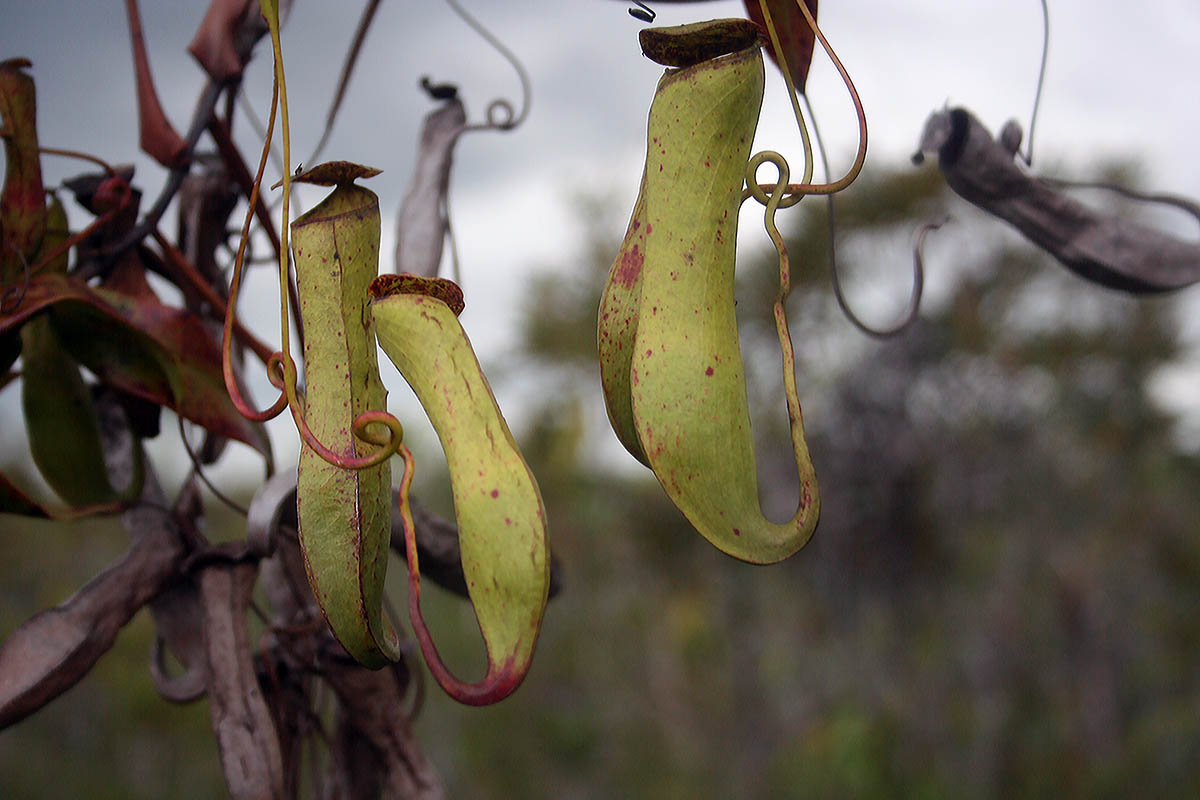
{"x": 1120, "y": 83}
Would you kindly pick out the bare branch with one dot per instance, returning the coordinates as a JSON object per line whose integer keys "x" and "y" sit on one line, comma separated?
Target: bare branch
{"x": 55, "y": 648}
{"x": 245, "y": 731}
{"x": 375, "y": 753}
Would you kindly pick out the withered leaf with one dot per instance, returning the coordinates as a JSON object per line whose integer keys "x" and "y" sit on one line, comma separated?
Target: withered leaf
{"x": 422, "y": 224}
{"x": 226, "y": 36}
{"x": 1108, "y": 249}
{"x": 139, "y": 345}
{"x": 159, "y": 139}
{"x": 22, "y": 203}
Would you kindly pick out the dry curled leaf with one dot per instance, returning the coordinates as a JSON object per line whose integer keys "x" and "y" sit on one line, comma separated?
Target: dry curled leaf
{"x": 1104, "y": 248}
{"x": 422, "y": 224}
{"x": 175, "y": 613}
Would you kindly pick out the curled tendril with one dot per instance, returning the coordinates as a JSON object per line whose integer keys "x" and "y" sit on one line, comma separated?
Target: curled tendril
{"x": 275, "y": 369}
{"x": 796, "y": 192}
{"x": 773, "y": 202}
{"x": 500, "y": 115}
{"x": 777, "y": 194}
{"x": 776, "y": 198}
{"x": 281, "y": 370}
{"x": 388, "y": 446}
{"x": 281, "y": 367}
{"x": 510, "y": 119}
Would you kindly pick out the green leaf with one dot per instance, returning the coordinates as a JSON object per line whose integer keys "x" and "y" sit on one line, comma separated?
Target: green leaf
{"x": 60, "y": 418}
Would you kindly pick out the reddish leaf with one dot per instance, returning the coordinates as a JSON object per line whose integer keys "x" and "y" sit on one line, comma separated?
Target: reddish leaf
{"x": 159, "y": 139}
{"x": 22, "y": 204}
{"x": 225, "y": 37}
{"x": 795, "y": 34}
{"x": 143, "y": 347}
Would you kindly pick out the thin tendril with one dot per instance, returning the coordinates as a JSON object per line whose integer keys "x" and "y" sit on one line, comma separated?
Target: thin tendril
{"x": 790, "y": 388}
{"x": 918, "y": 284}
{"x": 256, "y": 124}
{"x": 1181, "y": 203}
{"x": 1037, "y": 97}
{"x": 198, "y": 471}
{"x": 360, "y": 35}
{"x": 289, "y": 366}
{"x": 58, "y": 151}
{"x": 500, "y": 105}
{"x": 274, "y": 363}
{"x": 441, "y": 673}
{"x": 795, "y": 192}
{"x": 283, "y": 359}
{"x": 791, "y": 89}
